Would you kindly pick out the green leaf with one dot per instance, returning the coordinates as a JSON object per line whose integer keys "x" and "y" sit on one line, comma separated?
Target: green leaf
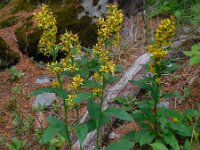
{"x": 91, "y": 125}
{"x": 146, "y": 138}
{"x": 84, "y": 72}
{"x": 89, "y": 50}
{"x": 90, "y": 83}
{"x": 94, "y": 110}
{"x": 82, "y": 96}
{"x": 130, "y": 135}
{"x": 194, "y": 60}
{"x": 158, "y": 146}
{"x": 55, "y": 126}
{"x": 110, "y": 79}
{"x": 119, "y": 69}
{"x": 196, "y": 47}
{"x": 181, "y": 129}
{"x": 170, "y": 113}
{"x": 58, "y": 91}
{"x": 171, "y": 68}
{"x": 118, "y": 113}
{"x": 141, "y": 84}
{"x": 163, "y": 122}
{"x": 81, "y": 131}
{"x": 122, "y": 144}
{"x": 172, "y": 94}
{"x": 172, "y": 141}
{"x": 191, "y": 113}
{"x": 188, "y": 53}
{"x": 121, "y": 100}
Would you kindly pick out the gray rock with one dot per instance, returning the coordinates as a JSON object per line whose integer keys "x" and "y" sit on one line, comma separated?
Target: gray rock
{"x": 43, "y": 79}
{"x": 44, "y": 100}
{"x": 113, "y": 135}
{"x": 163, "y": 104}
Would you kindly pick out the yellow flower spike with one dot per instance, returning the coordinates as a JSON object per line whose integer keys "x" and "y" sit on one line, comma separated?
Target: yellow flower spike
{"x": 76, "y": 83}
{"x": 111, "y": 24}
{"x": 47, "y": 22}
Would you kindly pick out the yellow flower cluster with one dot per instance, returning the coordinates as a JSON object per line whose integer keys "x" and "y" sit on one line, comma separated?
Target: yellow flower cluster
{"x": 76, "y": 83}
{"x": 70, "y": 44}
{"x": 72, "y": 47}
{"x": 55, "y": 67}
{"x": 55, "y": 84}
{"x": 69, "y": 64}
{"x": 47, "y": 22}
{"x": 175, "y": 120}
{"x": 163, "y": 35}
{"x": 111, "y": 25}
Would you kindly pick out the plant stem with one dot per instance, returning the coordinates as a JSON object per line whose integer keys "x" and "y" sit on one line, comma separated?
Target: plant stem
{"x": 77, "y": 114}
{"x": 99, "y": 119}
{"x": 155, "y": 116}
{"x": 68, "y": 137}
{"x": 65, "y": 115}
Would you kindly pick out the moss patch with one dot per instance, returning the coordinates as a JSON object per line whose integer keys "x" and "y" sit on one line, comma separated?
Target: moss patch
{"x": 67, "y": 19}
{"x": 30, "y": 5}
{"x": 10, "y": 21}
{"x": 7, "y": 57}
{"x": 3, "y": 3}
{"x": 95, "y": 2}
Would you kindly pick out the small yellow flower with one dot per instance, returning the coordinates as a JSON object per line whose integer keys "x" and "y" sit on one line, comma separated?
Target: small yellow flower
{"x": 76, "y": 83}
{"x": 175, "y": 120}
{"x": 97, "y": 91}
{"x": 97, "y": 76}
{"x": 69, "y": 100}
{"x": 152, "y": 68}
{"x": 158, "y": 80}
{"x": 55, "y": 84}
{"x": 54, "y": 66}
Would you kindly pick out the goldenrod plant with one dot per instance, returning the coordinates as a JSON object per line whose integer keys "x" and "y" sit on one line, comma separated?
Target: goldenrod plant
{"x": 96, "y": 63}
{"x": 161, "y": 128}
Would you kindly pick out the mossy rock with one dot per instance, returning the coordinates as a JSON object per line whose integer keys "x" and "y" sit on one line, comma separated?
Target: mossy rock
{"x": 10, "y": 21}
{"x": 7, "y": 57}
{"x": 95, "y": 2}
{"x": 67, "y": 19}
{"x": 86, "y": 30}
{"x": 28, "y": 44}
{"x": 30, "y": 5}
{"x": 3, "y": 3}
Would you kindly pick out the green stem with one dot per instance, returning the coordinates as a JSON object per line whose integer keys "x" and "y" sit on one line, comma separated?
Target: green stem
{"x": 77, "y": 114}
{"x": 68, "y": 137}
{"x": 99, "y": 119}
{"x": 59, "y": 80}
{"x": 155, "y": 116}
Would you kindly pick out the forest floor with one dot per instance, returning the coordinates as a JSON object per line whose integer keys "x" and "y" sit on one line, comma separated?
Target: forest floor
{"x": 15, "y": 102}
